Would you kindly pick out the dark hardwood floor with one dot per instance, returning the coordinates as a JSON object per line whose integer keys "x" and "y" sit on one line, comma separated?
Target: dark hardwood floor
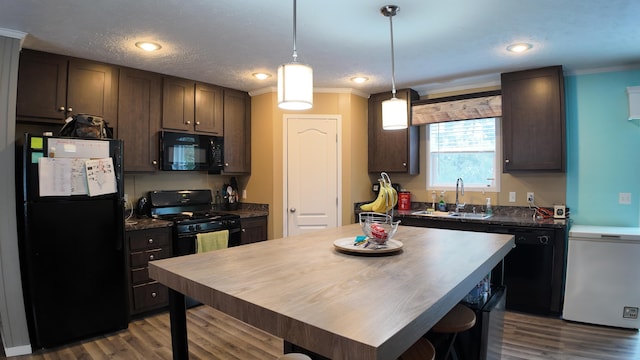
{"x": 213, "y": 335}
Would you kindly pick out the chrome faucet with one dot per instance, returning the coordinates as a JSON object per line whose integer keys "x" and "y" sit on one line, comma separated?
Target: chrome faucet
{"x": 459, "y": 184}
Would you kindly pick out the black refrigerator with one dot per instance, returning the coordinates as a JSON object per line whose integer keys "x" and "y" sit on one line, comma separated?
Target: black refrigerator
{"x": 71, "y": 233}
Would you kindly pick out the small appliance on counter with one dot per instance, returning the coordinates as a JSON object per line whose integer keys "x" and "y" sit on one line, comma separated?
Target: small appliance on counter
{"x": 230, "y": 195}
{"x": 142, "y": 208}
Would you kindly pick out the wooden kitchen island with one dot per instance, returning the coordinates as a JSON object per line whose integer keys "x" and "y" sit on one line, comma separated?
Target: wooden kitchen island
{"x": 339, "y": 305}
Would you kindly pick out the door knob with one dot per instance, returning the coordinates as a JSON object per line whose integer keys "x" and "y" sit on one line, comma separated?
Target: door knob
{"x": 292, "y": 210}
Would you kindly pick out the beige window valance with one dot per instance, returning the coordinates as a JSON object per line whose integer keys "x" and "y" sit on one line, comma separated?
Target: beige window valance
{"x": 464, "y": 109}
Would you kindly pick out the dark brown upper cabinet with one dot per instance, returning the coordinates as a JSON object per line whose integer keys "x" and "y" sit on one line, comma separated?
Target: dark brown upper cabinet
{"x": 191, "y": 106}
{"x": 533, "y": 120}
{"x": 394, "y": 151}
{"x": 237, "y": 132}
{"x": 53, "y": 87}
{"x": 139, "y": 110}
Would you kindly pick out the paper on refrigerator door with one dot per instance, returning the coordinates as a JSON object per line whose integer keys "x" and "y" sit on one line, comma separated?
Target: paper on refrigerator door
{"x": 62, "y": 176}
{"x": 77, "y": 148}
{"x": 101, "y": 177}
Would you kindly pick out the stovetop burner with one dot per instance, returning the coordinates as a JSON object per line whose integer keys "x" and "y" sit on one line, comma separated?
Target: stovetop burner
{"x": 197, "y": 217}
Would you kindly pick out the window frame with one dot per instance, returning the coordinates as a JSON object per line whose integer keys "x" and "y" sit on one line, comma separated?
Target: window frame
{"x": 495, "y": 183}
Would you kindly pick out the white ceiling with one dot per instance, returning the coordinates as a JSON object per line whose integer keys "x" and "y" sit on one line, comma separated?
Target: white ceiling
{"x": 439, "y": 45}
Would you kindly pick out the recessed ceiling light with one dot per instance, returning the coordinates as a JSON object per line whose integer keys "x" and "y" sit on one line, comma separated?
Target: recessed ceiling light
{"x": 359, "y": 79}
{"x": 518, "y": 48}
{"x": 148, "y": 46}
{"x": 261, "y": 76}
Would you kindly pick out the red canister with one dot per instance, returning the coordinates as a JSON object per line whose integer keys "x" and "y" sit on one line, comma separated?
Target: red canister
{"x": 404, "y": 200}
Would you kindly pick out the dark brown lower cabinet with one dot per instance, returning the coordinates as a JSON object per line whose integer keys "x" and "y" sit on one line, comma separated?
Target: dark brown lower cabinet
{"x": 254, "y": 229}
{"x": 142, "y": 246}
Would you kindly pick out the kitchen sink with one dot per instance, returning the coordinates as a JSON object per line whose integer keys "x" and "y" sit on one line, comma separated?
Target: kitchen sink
{"x": 470, "y": 215}
{"x": 462, "y": 215}
{"x": 431, "y": 213}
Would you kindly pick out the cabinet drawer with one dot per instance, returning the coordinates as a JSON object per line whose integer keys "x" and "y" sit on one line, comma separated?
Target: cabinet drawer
{"x": 141, "y": 259}
{"x": 148, "y": 239}
{"x": 149, "y": 296}
{"x": 140, "y": 276}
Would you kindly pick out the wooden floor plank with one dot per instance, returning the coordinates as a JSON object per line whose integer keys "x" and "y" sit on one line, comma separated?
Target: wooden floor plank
{"x": 214, "y": 335}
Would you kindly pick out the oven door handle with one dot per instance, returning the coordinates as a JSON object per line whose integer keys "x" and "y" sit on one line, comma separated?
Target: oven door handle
{"x": 235, "y": 230}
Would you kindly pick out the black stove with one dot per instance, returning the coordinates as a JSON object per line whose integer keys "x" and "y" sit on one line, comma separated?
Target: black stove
{"x": 192, "y": 213}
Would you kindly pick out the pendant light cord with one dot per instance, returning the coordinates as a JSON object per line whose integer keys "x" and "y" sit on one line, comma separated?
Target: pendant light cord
{"x": 295, "y": 51}
{"x": 393, "y": 65}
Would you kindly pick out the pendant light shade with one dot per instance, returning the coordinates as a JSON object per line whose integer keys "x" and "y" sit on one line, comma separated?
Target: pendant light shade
{"x": 394, "y": 114}
{"x": 295, "y": 80}
{"x": 295, "y": 86}
{"x": 394, "y": 111}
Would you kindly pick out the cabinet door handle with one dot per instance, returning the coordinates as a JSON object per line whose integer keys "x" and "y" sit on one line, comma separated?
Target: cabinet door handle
{"x": 226, "y": 164}
{"x": 506, "y": 161}
{"x": 154, "y": 294}
{"x": 61, "y": 108}
{"x": 70, "y": 109}
{"x": 404, "y": 164}
{"x": 151, "y": 257}
{"x": 197, "y": 122}
{"x": 150, "y": 240}
{"x": 188, "y": 122}
{"x": 154, "y": 162}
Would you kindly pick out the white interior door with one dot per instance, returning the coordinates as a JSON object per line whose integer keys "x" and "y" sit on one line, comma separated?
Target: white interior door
{"x": 312, "y": 173}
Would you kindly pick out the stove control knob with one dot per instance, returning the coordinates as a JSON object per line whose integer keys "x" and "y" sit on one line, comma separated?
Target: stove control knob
{"x": 190, "y": 227}
{"x": 197, "y": 226}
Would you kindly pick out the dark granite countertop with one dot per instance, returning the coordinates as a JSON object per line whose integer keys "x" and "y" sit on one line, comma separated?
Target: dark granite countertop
{"x": 145, "y": 223}
{"x": 248, "y": 210}
{"x": 502, "y": 216}
{"x": 245, "y": 210}
{"x": 244, "y": 213}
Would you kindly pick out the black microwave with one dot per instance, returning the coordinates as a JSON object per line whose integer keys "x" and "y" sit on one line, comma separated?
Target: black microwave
{"x": 191, "y": 152}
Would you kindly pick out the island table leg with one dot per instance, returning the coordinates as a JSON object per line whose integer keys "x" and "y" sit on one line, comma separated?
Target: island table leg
{"x": 178, "y": 318}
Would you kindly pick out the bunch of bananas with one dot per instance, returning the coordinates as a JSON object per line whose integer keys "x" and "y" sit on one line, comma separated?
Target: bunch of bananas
{"x": 387, "y": 197}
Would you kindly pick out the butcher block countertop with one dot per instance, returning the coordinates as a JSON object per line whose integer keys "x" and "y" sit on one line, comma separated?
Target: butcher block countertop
{"x": 336, "y": 304}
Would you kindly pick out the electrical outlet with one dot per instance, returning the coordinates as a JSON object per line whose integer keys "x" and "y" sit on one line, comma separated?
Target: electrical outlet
{"x": 530, "y": 197}
{"x": 624, "y": 198}
{"x": 512, "y": 196}
{"x": 630, "y": 312}
{"x": 244, "y": 193}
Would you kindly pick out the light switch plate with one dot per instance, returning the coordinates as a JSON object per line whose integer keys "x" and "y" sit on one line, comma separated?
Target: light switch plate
{"x": 512, "y": 196}
{"x": 624, "y": 198}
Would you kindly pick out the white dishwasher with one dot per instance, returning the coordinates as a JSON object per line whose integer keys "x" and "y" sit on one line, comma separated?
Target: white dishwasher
{"x": 603, "y": 264}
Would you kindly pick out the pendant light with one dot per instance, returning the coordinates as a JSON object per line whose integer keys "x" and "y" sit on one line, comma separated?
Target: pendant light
{"x": 394, "y": 110}
{"x": 295, "y": 80}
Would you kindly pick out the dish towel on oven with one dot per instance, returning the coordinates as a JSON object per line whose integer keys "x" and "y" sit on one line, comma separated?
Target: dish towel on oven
{"x": 212, "y": 241}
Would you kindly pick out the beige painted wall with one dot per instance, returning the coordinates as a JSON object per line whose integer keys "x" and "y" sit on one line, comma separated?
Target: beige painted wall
{"x": 265, "y": 183}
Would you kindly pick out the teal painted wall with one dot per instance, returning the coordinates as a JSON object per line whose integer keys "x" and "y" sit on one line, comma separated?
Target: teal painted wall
{"x": 603, "y": 149}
